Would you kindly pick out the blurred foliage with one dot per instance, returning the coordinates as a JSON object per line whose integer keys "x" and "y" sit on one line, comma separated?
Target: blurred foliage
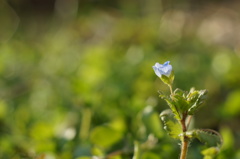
{"x": 76, "y": 77}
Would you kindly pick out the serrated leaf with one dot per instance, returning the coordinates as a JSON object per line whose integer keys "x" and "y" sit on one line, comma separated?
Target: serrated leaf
{"x": 195, "y": 99}
{"x": 209, "y": 137}
{"x": 152, "y": 122}
{"x": 180, "y": 92}
{"x": 180, "y": 102}
{"x": 192, "y": 96}
{"x": 171, "y": 104}
{"x": 173, "y": 108}
{"x": 171, "y": 124}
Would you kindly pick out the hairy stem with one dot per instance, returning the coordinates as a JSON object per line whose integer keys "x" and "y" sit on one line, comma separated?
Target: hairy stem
{"x": 188, "y": 121}
{"x": 184, "y": 146}
{"x": 184, "y": 149}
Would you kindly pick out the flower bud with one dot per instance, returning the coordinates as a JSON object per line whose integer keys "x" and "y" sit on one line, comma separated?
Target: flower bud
{"x": 164, "y": 72}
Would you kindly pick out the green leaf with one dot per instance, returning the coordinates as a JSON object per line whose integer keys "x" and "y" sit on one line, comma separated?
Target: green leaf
{"x": 171, "y": 104}
{"x": 192, "y": 96}
{"x": 168, "y": 80}
{"x": 171, "y": 124}
{"x": 195, "y": 99}
{"x": 180, "y": 92}
{"x": 165, "y": 79}
{"x": 180, "y": 102}
{"x": 209, "y": 137}
{"x": 152, "y": 122}
{"x": 105, "y": 136}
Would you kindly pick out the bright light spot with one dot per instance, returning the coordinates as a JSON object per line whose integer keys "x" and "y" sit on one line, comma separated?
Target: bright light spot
{"x": 215, "y": 29}
{"x": 148, "y": 109}
{"x": 69, "y": 133}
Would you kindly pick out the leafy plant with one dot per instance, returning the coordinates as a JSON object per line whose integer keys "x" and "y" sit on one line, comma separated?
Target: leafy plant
{"x": 183, "y": 105}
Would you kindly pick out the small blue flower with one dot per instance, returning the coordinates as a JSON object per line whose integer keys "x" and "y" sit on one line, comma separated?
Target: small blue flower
{"x": 164, "y": 69}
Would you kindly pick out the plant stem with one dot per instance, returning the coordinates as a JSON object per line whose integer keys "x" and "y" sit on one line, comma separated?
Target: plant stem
{"x": 170, "y": 86}
{"x": 184, "y": 146}
{"x": 184, "y": 149}
{"x": 188, "y": 121}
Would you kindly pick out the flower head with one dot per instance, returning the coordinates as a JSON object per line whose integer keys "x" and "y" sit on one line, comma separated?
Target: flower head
{"x": 164, "y": 69}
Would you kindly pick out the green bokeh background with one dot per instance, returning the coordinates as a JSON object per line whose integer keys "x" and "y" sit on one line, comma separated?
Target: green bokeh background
{"x": 76, "y": 77}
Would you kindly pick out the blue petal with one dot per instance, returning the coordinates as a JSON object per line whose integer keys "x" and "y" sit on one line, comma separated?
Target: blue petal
{"x": 166, "y": 63}
{"x": 168, "y": 70}
{"x": 164, "y": 69}
{"x": 156, "y": 70}
{"x": 158, "y": 65}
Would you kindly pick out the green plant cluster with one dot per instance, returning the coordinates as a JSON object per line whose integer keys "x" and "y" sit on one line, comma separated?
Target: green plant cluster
{"x": 183, "y": 105}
